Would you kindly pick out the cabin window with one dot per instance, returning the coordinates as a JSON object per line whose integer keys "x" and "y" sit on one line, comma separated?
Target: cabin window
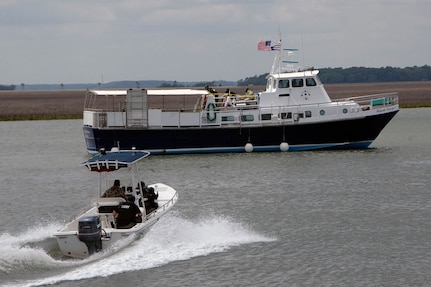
{"x": 247, "y": 118}
{"x": 285, "y": 116}
{"x": 297, "y": 83}
{"x": 308, "y": 114}
{"x": 322, "y": 112}
{"x": 282, "y": 84}
{"x": 265, "y": 117}
{"x": 310, "y": 82}
{"x": 227, "y": 118}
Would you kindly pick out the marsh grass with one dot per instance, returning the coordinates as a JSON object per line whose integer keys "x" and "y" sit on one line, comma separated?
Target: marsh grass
{"x": 41, "y": 105}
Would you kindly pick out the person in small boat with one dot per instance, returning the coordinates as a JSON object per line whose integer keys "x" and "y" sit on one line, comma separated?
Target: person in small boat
{"x": 149, "y": 198}
{"x": 143, "y": 189}
{"x": 115, "y": 190}
{"x": 127, "y": 214}
{"x": 150, "y": 203}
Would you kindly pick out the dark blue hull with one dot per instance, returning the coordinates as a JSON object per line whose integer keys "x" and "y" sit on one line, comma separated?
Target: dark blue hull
{"x": 345, "y": 134}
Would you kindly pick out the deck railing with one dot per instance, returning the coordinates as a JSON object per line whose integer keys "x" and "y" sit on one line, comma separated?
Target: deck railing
{"x": 164, "y": 206}
{"x": 190, "y": 117}
{"x": 374, "y": 100}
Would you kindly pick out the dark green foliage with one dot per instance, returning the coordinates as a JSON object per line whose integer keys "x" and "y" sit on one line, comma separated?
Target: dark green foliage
{"x": 359, "y": 75}
{"x": 173, "y": 84}
{"x": 7, "y": 87}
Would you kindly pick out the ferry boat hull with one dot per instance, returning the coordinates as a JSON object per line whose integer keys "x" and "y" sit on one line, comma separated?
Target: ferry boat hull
{"x": 342, "y": 134}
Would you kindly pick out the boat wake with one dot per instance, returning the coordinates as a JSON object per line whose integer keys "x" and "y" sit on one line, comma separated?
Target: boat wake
{"x": 174, "y": 239}
{"x": 25, "y": 251}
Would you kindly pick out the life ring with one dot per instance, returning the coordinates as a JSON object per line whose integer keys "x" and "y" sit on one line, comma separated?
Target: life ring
{"x": 211, "y": 107}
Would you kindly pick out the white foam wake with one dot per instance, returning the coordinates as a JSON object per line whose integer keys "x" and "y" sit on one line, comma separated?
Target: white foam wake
{"x": 18, "y": 252}
{"x": 172, "y": 239}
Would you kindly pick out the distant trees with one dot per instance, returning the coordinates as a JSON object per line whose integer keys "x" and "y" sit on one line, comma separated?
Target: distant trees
{"x": 203, "y": 84}
{"x": 359, "y": 75}
{"x": 7, "y": 87}
{"x": 383, "y": 74}
{"x": 255, "y": 80}
{"x": 173, "y": 84}
{"x": 327, "y": 75}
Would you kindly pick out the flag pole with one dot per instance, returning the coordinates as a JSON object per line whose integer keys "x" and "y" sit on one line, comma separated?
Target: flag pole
{"x": 276, "y": 65}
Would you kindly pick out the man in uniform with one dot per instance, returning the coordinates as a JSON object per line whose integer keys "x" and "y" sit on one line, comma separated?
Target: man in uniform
{"x": 127, "y": 214}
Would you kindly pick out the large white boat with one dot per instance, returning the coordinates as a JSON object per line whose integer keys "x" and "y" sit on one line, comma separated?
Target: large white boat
{"x": 95, "y": 229}
{"x": 293, "y": 113}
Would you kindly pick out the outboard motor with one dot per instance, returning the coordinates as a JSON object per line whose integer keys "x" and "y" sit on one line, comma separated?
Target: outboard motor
{"x": 90, "y": 232}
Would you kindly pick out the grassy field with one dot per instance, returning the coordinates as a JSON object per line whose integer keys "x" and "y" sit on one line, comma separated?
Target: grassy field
{"x": 68, "y": 104}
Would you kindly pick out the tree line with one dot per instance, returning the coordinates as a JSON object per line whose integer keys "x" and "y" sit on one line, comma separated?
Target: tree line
{"x": 358, "y": 75}
{"x": 327, "y": 76}
{"x": 7, "y": 87}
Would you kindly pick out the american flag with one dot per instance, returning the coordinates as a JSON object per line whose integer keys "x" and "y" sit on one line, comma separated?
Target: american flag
{"x": 264, "y": 46}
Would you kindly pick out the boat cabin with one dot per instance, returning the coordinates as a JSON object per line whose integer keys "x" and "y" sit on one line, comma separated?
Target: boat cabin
{"x": 298, "y": 88}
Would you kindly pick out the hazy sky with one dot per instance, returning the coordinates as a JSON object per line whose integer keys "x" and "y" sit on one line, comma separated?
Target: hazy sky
{"x": 85, "y": 41}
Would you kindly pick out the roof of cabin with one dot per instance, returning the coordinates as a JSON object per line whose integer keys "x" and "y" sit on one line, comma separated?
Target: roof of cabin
{"x": 308, "y": 73}
{"x": 155, "y": 92}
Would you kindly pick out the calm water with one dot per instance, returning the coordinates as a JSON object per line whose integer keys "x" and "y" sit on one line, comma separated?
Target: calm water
{"x": 339, "y": 218}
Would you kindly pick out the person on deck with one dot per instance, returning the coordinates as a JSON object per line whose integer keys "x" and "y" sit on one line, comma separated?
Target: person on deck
{"x": 211, "y": 89}
{"x": 127, "y": 214}
{"x": 114, "y": 191}
{"x": 229, "y": 98}
{"x": 249, "y": 92}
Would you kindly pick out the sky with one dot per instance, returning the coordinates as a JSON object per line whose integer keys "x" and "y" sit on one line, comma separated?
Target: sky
{"x": 82, "y": 41}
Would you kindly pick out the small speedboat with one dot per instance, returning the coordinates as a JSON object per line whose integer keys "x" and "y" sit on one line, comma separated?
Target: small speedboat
{"x": 96, "y": 229}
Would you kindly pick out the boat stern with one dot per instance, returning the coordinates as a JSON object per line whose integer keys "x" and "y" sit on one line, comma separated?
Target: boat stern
{"x": 70, "y": 245}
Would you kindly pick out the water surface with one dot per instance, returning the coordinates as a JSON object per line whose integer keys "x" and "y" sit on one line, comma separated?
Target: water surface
{"x": 322, "y": 218}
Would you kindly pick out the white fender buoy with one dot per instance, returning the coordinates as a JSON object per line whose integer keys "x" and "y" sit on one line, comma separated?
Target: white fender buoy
{"x": 284, "y": 146}
{"x": 248, "y": 147}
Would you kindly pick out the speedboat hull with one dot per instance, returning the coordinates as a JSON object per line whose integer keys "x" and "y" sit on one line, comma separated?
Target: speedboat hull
{"x": 70, "y": 240}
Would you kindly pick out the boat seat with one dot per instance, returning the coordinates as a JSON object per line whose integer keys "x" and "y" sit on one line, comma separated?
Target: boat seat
{"x": 109, "y": 200}
{"x": 107, "y": 208}
{"x": 107, "y": 204}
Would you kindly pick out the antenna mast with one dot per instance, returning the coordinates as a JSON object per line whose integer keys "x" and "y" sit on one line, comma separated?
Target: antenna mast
{"x": 276, "y": 64}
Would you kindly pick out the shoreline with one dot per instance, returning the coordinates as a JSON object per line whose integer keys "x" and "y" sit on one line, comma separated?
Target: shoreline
{"x": 69, "y": 104}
